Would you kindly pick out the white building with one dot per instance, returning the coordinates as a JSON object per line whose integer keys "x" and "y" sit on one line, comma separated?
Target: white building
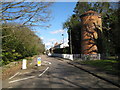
{"x": 61, "y": 45}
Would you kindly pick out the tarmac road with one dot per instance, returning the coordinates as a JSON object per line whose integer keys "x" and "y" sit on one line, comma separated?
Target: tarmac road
{"x": 55, "y": 73}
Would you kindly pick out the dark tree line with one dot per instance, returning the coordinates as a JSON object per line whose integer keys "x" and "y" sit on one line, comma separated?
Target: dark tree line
{"x": 73, "y": 26}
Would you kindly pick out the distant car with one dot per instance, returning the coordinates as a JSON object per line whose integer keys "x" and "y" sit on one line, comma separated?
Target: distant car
{"x": 49, "y": 54}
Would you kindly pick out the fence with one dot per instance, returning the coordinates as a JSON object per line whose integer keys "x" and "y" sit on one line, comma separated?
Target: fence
{"x": 68, "y": 56}
{"x": 90, "y": 56}
{"x": 78, "y": 56}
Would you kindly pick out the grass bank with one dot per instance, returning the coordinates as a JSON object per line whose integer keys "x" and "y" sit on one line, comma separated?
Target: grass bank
{"x": 109, "y": 66}
{"x": 11, "y": 68}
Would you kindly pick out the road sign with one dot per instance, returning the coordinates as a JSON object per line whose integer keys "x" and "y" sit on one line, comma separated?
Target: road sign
{"x": 39, "y": 61}
{"x": 24, "y": 63}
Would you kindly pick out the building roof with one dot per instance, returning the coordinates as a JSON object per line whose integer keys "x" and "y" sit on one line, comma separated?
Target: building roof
{"x": 56, "y": 44}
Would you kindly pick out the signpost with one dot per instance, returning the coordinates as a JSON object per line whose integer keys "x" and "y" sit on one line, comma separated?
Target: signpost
{"x": 24, "y": 63}
{"x": 39, "y": 61}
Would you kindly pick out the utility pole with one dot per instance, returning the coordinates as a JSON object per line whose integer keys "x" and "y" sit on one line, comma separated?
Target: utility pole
{"x": 70, "y": 42}
{"x": 63, "y": 39}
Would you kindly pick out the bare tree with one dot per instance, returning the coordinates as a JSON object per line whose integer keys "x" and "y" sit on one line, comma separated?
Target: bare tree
{"x": 25, "y": 13}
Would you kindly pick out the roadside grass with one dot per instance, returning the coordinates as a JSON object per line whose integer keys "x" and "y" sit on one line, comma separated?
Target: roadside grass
{"x": 109, "y": 66}
{"x": 13, "y": 67}
{"x": 16, "y": 63}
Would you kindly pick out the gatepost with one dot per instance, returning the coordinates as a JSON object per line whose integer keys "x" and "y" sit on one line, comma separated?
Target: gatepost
{"x": 39, "y": 61}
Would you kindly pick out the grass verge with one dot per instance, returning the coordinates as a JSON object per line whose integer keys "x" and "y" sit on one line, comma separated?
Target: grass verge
{"x": 109, "y": 66}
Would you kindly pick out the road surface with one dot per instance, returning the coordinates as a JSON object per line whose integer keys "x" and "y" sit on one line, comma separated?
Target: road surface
{"x": 55, "y": 73}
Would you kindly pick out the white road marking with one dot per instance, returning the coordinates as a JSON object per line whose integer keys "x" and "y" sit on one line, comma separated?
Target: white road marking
{"x": 14, "y": 75}
{"x": 47, "y": 62}
{"x": 21, "y": 79}
{"x": 29, "y": 77}
{"x": 44, "y": 71}
{"x": 10, "y": 87}
{"x": 24, "y": 73}
{"x": 30, "y": 63}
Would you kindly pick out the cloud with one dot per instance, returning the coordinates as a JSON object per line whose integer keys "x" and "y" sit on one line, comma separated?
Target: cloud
{"x": 57, "y": 31}
{"x": 42, "y": 38}
{"x": 66, "y": 40}
{"x": 48, "y": 44}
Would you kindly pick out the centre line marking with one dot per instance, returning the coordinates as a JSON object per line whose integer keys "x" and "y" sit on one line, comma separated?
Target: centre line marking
{"x": 14, "y": 75}
{"x": 44, "y": 71}
{"x": 21, "y": 79}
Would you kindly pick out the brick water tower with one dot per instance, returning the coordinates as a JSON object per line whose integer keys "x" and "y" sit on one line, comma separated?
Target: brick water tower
{"x": 91, "y": 23}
